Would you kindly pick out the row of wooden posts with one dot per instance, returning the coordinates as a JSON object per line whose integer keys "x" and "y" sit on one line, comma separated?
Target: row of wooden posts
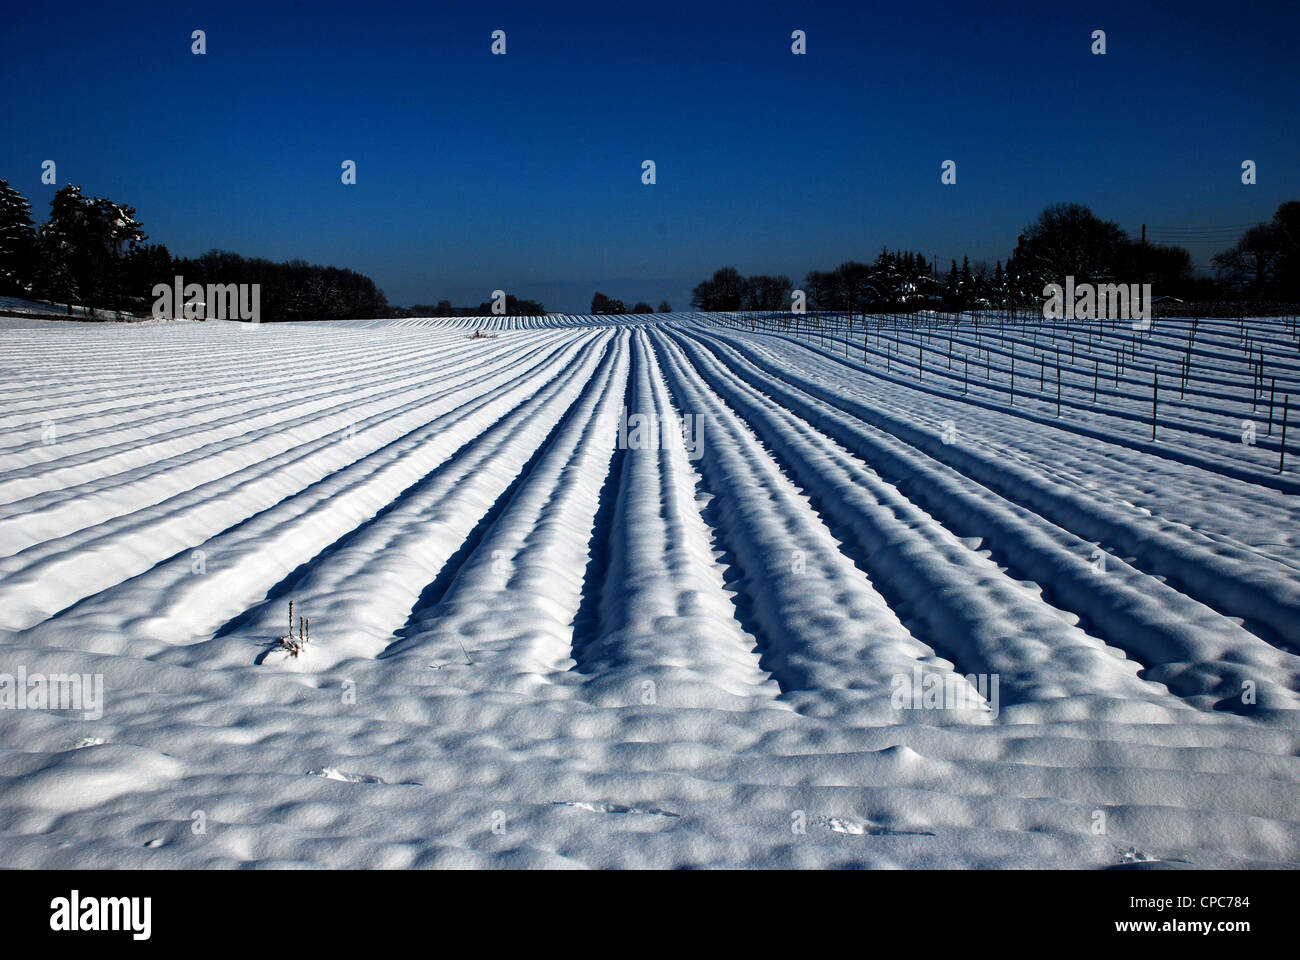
{"x": 1137, "y": 341}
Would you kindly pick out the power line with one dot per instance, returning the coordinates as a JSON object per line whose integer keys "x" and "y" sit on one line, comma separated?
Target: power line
{"x": 1219, "y": 238}
{"x": 1223, "y": 226}
{"x": 1191, "y": 237}
{"x": 1200, "y": 233}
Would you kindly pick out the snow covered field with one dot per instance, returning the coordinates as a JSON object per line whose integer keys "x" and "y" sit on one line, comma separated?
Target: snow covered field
{"x": 538, "y": 639}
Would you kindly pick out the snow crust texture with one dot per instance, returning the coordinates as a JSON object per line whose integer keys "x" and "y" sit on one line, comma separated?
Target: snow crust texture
{"x": 842, "y": 615}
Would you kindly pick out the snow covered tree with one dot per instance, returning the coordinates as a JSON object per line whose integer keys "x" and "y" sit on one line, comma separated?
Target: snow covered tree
{"x": 88, "y": 239}
{"x": 59, "y": 247}
{"x": 116, "y": 235}
{"x": 17, "y": 241}
{"x": 923, "y": 282}
{"x": 980, "y": 294}
{"x": 887, "y": 280}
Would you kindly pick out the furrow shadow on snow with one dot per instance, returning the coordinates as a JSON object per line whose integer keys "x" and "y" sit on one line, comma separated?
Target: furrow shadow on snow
{"x": 910, "y": 484}
{"x": 425, "y": 607}
{"x": 586, "y": 622}
{"x": 773, "y": 655}
{"x": 287, "y": 583}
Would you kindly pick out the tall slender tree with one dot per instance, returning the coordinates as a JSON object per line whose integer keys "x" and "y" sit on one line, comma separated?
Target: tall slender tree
{"x": 17, "y": 241}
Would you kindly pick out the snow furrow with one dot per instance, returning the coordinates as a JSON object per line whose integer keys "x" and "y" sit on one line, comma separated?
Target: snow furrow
{"x": 1191, "y": 649}
{"x": 952, "y": 599}
{"x": 1231, "y": 580}
{"x": 668, "y": 633}
{"x": 828, "y": 633}
{"x": 111, "y": 494}
{"x": 512, "y": 604}
{"x": 359, "y": 591}
{"x": 285, "y": 529}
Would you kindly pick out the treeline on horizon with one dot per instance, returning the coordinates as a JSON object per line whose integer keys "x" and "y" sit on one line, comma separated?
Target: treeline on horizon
{"x": 93, "y": 252}
{"x": 1065, "y": 240}
{"x": 514, "y": 307}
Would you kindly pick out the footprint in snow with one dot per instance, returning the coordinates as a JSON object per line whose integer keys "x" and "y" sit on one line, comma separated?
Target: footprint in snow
{"x": 342, "y": 776}
{"x": 1135, "y": 859}
{"x": 853, "y": 828}
{"x": 1134, "y": 855}
{"x": 613, "y": 808}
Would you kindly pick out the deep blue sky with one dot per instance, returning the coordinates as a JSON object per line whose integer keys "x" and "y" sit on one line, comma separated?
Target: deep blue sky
{"x": 524, "y": 171}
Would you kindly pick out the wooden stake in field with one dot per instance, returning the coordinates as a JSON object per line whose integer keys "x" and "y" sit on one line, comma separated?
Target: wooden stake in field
{"x": 1058, "y": 389}
{"x": 1281, "y": 459}
{"x": 1272, "y": 392}
{"x": 1096, "y": 373}
{"x": 1155, "y": 392}
{"x": 1013, "y": 378}
{"x": 965, "y": 383}
{"x": 1257, "y": 387}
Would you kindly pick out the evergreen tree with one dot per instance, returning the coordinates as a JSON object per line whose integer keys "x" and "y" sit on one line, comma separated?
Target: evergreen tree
{"x": 59, "y": 248}
{"x": 143, "y": 268}
{"x": 52, "y": 277}
{"x": 116, "y": 235}
{"x": 952, "y": 288}
{"x": 919, "y": 281}
{"x": 89, "y": 238}
{"x": 17, "y": 241}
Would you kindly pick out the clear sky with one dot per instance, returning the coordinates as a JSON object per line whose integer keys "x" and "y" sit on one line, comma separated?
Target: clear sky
{"x": 523, "y": 171}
